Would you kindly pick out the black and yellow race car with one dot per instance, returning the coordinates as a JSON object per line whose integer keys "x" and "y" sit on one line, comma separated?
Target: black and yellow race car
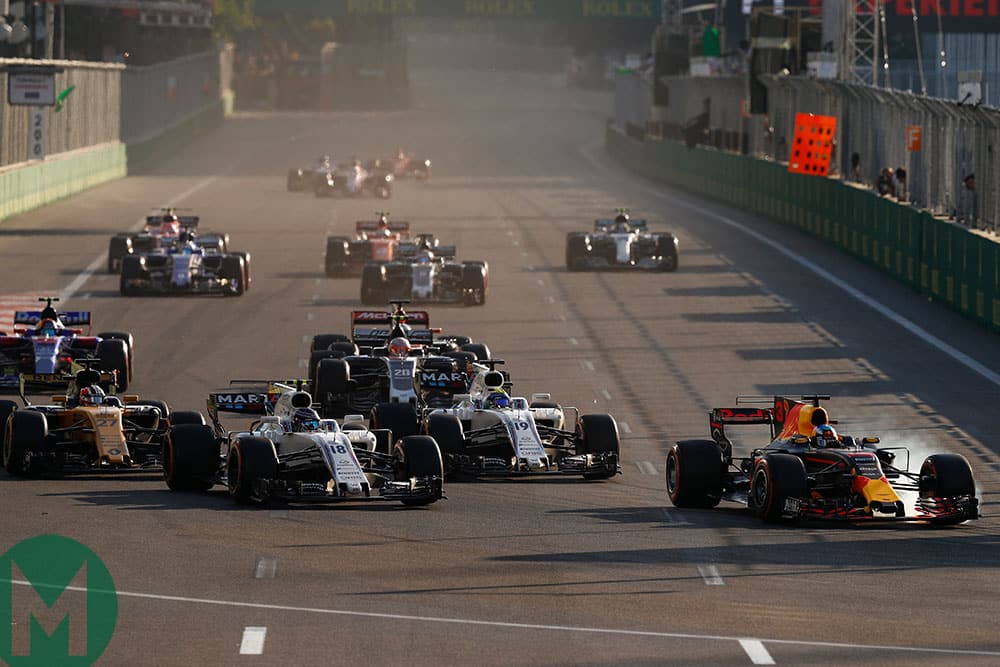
{"x": 809, "y": 471}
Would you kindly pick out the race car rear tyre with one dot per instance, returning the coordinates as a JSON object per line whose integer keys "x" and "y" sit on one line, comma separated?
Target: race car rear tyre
{"x": 25, "y": 435}
{"x": 576, "y": 251}
{"x": 337, "y": 256}
{"x": 234, "y": 270}
{"x": 946, "y": 476}
{"x": 449, "y": 436}
{"x": 400, "y": 418}
{"x": 187, "y": 417}
{"x": 129, "y": 344}
{"x": 667, "y": 252}
{"x": 190, "y": 457}
{"x": 247, "y": 274}
{"x": 776, "y": 478}
{"x": 131, "y": 270}
{"x": 315, "y": 358}
{"x": 118, "y": 248}
{"x": 694, "y": 473}
{"x": 418, "y": 456}
{"x": 481, "y": 351}
{"x": 598, "y": 434}
{"x": 324, "y": 341}
{"x": 7, "y": 408}
{"x": 251, "y": 460}
{"x": 331, "y": 386}
{"x": 373, "y": 287}
{"x": 475, "y": 282}
{"x": 113, "y": 355}
{"x": 294, "y": 182}
{"x": 462, "y": 357}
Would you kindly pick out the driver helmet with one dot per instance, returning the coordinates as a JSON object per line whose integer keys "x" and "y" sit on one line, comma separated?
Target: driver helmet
{"x": 92, "y": 395}
{"x": 323, "y": 159}
{"x": 186, "y": 237}
{"x": 826, "y": 436}
{"x": 305, "y": 419}
{"x": 48, "y": 327}
{"x": 399, "y": 348}
{"x": 621, "y": 222}
{"x": 497, "y": 401}
{"x": 423, "y": 257}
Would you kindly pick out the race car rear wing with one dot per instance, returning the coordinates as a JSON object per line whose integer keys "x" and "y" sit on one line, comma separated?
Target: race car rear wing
{"x": 400, "y": 226}
{"x": 635, "y": 225}
{"x": 719, "y": 418}
{"x": 414, "y": 318}
{"x": 73, "y": 318}
{"x": 189, "y": 221}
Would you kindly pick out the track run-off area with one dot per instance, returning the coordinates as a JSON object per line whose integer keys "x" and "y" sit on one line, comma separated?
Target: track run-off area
{"x": 537, "y": 571}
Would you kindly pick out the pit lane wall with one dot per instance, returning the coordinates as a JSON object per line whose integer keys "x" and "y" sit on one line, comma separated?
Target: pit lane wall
{"x": 945, "y": 261}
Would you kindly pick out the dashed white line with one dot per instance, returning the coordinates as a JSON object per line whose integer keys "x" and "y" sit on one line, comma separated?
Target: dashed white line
{"x": 315, "y": 298}
{"x": 266, "y": 568}
{"x": 303, "y": 363}
{"x": 253, "y": 640}
{"x": 587, "y": 365}
{"x": 573, "y": 341}
{"x": 675, "y": 518}
{"x": 550, "y": 299}
{"x": 561, "y": 317}
{"x": 529, "y": 267}
{"x": 606, "y": 394}
{"x": 646, "y": 468}
{"x": 755, "y": 650}
{"x": 279, "y": 514}
{"x": 624, "y": 427}
{"x": 306, "y": 338}
{"x": 317, "y": 281}
{"x": 310, "y": 316}
{"x": 711, "y": 575}
{"x": 540, "y": 282}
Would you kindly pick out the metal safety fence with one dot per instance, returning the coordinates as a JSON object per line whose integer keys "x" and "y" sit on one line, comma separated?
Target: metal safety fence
{"x": 89, "y": 115}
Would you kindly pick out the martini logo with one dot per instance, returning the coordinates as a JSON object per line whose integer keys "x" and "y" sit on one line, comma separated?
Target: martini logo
{"x": 58, "y": 604}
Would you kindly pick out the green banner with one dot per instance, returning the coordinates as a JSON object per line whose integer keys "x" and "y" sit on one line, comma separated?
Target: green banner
{"x": 514, "y": 9}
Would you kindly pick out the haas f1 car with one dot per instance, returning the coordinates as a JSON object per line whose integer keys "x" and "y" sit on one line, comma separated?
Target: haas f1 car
{"x": 374, "y": 241}
{"x": 808, "y": 471}
{"x": 161, "y": 231}
{"x": 290, "y": 454}
{"x": 622, "y": 243}
{"x": 186, "y": 268}
{"x": 84, "y": 431}
{"x": 53, "y": 346}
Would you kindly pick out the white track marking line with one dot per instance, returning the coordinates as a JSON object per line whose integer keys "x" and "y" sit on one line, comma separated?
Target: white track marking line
{"x": 310, "y": 316}
{"x": 529, "y": 267}
{"x": 756, "y": 651}
{"x": 675, "y": 518}
{"x": 303, "y": 363}
{"x": 623, "y": 632}
{"x": 550, "y": 299}
{"x": 253, "y": 640}
{"x": 279, "y": 514}
{"x": 646, "y": 468}
{"x": 711, "y": 575}
{"x": 561, "y": 317}
{"x": 606, "y": 394}
{"x": 306, "y": 338}
{"x": 573, "y": 341}
{"x": 625, "y": 428}
{"x": 541, "y": 283}
{"x": 266, "y": 568}
{"x": 587, "y": 365}
{"x": 877, "y": 306}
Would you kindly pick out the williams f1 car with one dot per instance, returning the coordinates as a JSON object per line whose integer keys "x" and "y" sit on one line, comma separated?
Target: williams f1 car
{"x": 185, "y": 268}
{"x": 289, "y": 453}
{"x": 354, "y": 180}
{"x": 486, "y": 433}
{"x": 808, "y": 471}
{"x": 374, "y": 241}
{"x": 161, "y": 231}
{"x": 622, "y": 243}
{"x": 85, "y": 431}
{"x": 53, "y": 346}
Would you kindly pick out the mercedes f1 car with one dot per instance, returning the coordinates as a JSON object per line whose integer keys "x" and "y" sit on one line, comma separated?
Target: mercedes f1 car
{"x": 309, "y": 176}
{"x": 485, "y": 433}
{"x": 161, "y": 231}
{"x": 84, "y": 431}
{"x": 622, "y": 243}
{"x": 374, "y": 241}
{"x": 186, "y": 268}
{"x": 53, "y": 346}
{"x": 808, "y": 471}
{"x": 290, "y": 454}
{"x": 354, "y": 180}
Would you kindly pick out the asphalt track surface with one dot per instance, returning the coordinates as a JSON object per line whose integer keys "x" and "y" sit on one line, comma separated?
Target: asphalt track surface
{"x": 538, "y": 572}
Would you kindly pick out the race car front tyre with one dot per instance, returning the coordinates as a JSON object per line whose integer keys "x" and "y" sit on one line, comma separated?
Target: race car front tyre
{"x": 776, "y": 478}
{"x": 576, "y": 251}
{"x": 234, "y": 270}
{"x": 475, "y": 281}
{"x": 448, "y": 434}
{"x": 118, "y": 248}
{"x": 295, "y": 181}
{"x": 25, "y": 435}
{"x": 400, "y": 418}
{"x": 131, "y": 270}
{"x": 190, "y": 457}
{"x": 113, "y": 356}
{"x": 251, "y": 461}
{"x": 337, "y": 256}
{"x": 247, "y": 274}
{"x": 129, "y": 344}
{"x": 331, "y": 385}
{"x": 187, "y": 417}
{"x": 946, "y": 476}
{"x": 373, "y": 287}
{"x": 481, "y": 351}
{"x": 694, "y": 473}
{"x": 418, "y": 456}
{"x": 598, "y": 434}
{"x": 7, "y": 408}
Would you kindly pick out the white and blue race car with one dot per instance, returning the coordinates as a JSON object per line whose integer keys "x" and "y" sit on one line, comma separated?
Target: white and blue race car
{"x": 621, "y": 243}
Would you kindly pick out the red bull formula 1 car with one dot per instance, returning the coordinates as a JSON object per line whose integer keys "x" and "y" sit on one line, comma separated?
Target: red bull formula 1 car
{"x": 808, "y": 471}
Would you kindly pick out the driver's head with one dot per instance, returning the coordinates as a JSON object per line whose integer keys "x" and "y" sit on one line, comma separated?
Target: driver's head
{"x": 304, "y": 420}
{"x": 497, "y": 401}
{"x": 825, "y": 436}
{"x": 48, "y": 327}
{"x": 92, "y": 395}
{"x": 399, "y": 348}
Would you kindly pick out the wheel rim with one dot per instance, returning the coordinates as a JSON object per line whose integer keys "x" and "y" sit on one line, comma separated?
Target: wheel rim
{"x": 233, "y": 472}
{"x": 667, "y": 263}
{"x": 760, "y": 489}
{"x": 672, "y": 476}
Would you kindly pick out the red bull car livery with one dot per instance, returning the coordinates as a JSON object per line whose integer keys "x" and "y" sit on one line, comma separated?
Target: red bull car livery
{"x": 808, "y": 471}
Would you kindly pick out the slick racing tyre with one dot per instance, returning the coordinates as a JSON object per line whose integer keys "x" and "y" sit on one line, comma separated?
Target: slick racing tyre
{"x": 24, "y": 436}
{"x": 113, "y": 355}
{"x": 776, "y": 478}
{"x": 129, "y": 345}
{"x": 481, "y": 350}
{"x": 187, "y": 417}
{"x": 331, "y": 386}
{"x": 132, "y": 269}
{"x": 694, "y": 473}
{"x": 295, "y": 181}
{"x": 234, "y": 269}
{"x": 118, "y": 248}
{"x": 324, "y": 341}
{"x": 417, "y": 456}
{"x": 667, "y": 252}
{"x": 190, "y": 457}
{"x": 373, "y": 287}
{"x": 475, "y": 283}
{"x": 598, "y": 434}
{"x": 576, "y": 251}
{"x": 946, "y": 476}
{"x": 247, "y": 274}
{"x": 252, "y": 461}
{"x": 338, "y": 250}
{"x": 400, "y": 418}
{"x": 449, "y": 436}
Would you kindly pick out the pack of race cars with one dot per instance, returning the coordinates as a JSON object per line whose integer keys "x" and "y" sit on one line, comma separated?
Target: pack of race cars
{"x": 392, "y": 407}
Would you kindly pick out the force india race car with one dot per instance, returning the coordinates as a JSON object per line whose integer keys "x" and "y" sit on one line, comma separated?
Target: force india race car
{"x": 354, "y": 180}
{"x": 84, "y": 431}
{"x": 290, "y": 454}
{"x": 809, "y": 472}
{"x": 486, "y": 433}
{"x": 161, "y": 231}
{"x": 186, "y": 268}
{"x": 52, "y": 347}
{"x": 622, "y": 243}
{"x": 375, "y": 241}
